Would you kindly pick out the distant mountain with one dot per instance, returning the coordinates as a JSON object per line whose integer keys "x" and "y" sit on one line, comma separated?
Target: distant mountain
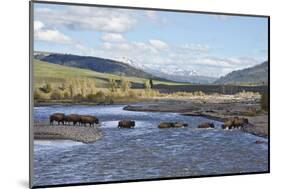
{"x": 123, "y": 66}
{"x": 253, "y": 75}
{"x": 177, "y": 75}
{"x": 94, "y": 63}
{"x": 183, "y": 76}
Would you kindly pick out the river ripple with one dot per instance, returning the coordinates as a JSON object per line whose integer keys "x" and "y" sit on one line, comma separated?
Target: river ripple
{"x": 144, "y": 152}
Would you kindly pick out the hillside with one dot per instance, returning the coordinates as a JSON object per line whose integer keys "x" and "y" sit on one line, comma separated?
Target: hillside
{"x": 257, "y": 75}
{"x": 55, "y": 74}
{"x": 94, "y": 63}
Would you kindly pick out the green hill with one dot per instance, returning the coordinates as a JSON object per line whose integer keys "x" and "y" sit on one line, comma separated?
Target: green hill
{"x": 45, "y": 72}
{"x": 256, "y": 75}
{"x": 97, "y": 64}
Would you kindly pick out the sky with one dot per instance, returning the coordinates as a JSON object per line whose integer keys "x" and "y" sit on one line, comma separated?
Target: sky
{"x": 167, "y": 42}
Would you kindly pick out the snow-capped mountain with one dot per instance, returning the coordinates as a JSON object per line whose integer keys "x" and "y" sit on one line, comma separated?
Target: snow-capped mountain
{"x": 174, "y": 74}
{"x": 130, "y": 62}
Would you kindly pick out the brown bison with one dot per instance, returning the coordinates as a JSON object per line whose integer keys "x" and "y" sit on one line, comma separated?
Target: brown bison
{"x": 234, "y": 122}
{"x": 180, "y": 125}
{"x": 227, "y": 124}
{"x": 91, "y": 120}
{"x": 73, "y": 118}
{"x": 239, "y": 122}
{"x": 126, "y": 124}
{"x": 163, "y": 125}
{"x": 260, "y": 142}
{"x": 59, "y": 117}
{"x": 206, "y": 125}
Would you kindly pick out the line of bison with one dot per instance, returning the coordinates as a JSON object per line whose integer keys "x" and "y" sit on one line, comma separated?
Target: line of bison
{"x": 75, "y": 119}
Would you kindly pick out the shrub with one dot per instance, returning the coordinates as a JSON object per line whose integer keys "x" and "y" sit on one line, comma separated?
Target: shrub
{"x": 264, "y": 101}
{"x": 37, "y": 95}
{"x": 113, "y": 85}
{"x": 132, "y": 94}
{"x": 125, "y": 85}
{"x": 78, "y": 97}
{"x": 91, "y": 97}
{"x": 62, "y": 87}
{"x": 198, "y": 93}
{"x": 47, "y": 88}
{"x": 66, "y": 95}
{"x": 56, "y": 95}
{"x": 111, "y": 101}
{"x": 151, "y": 83}
{"x": 100, "y": 94}
{"x": 147, "y": 85}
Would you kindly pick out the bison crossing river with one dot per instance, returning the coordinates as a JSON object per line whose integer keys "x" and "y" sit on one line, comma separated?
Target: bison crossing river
{"x": 73, "y": 119}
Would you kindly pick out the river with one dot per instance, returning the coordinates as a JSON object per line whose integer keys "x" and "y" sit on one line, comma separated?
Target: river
{"x": 144, "y": 152}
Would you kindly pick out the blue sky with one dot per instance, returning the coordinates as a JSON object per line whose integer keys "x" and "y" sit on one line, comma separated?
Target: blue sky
{"x": 168, "y": 42}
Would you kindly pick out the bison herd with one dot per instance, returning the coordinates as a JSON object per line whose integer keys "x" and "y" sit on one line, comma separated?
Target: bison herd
{"x": 75, "y": 119}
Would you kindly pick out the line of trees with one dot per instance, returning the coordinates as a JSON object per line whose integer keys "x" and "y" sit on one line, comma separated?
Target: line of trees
{"x": 85, "y": 89}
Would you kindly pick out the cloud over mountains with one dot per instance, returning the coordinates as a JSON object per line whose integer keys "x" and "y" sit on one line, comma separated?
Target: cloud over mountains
{"x": 138, "y": 36}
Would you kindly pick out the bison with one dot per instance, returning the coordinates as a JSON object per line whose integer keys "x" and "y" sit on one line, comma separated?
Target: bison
{"x": 126, "y": 124}
{"x": 180, "y": 125}
{"x": 163, "y": 125}
{"x": 59, "y": 117}
{"x": 239, "y": 122}
{"x": 234, "y": 122}
{"x": 84, "y": 119}
{"x": 74, "y": 118}
{"x": 206, "y": 125}
{"x": 227, "y": 124}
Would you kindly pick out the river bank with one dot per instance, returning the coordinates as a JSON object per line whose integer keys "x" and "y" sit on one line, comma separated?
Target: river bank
{"x": 215, "y": 107}
{"x": 85, "y": 134}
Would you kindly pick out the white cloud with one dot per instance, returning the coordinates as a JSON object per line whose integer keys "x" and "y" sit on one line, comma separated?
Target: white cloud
{"x": 153, "y": 55}
{"x": 113, "y": 37}
{"x": 51, "y": 36}
{"x": 158, "y": 44}
{"x": 41, "y": 33}
{"x": 151, "y": 15}
{"x": 88, "y": 18}
{"x": 202, "y": 48}
{"x": 222, "y": 17}
{"x": 38, "y": 25}
{"x": 216, "y": 66}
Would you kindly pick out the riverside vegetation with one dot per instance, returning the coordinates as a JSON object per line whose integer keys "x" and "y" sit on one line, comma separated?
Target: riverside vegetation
{"x": 62, "y": 84}
{"x": 58, "y": 84}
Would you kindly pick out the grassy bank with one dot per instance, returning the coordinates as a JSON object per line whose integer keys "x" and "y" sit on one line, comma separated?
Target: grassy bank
{"x": 54, "y": 74}
{"x": 61, "y": 84}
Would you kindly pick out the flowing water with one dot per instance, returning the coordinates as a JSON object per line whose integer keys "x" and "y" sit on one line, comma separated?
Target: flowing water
{"x": 144, "y": 152}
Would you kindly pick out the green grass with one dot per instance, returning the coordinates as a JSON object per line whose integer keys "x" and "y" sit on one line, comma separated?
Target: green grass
{"x": 56, "y": 74}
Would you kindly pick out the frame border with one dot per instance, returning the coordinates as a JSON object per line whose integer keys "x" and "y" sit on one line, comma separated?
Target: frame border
{"x": 31, "y": 105}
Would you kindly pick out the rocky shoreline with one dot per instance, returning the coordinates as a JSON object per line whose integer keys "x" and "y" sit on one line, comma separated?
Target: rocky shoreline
{"x": 219, "y": 108}
{"x": 85, "y": 134}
